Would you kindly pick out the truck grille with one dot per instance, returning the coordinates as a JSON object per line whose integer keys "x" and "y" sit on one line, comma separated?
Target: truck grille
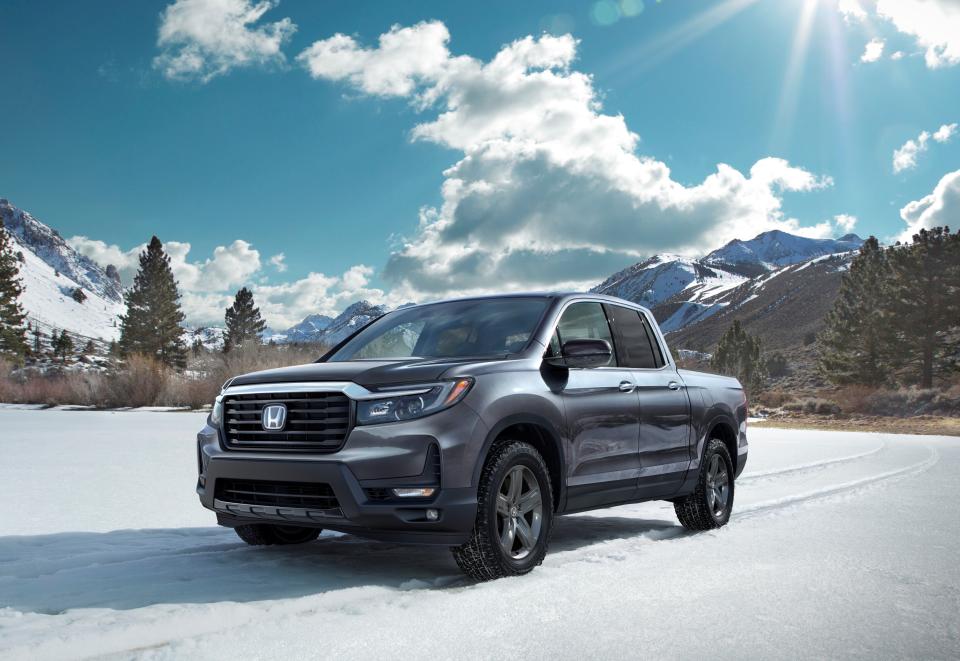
{"x": 300, "y": 495}
{"x": 316, "y": 421}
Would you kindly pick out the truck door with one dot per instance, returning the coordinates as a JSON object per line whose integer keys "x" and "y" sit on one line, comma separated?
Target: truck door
{"x": 664, "y": 438}
{"x": 602, "y": 416}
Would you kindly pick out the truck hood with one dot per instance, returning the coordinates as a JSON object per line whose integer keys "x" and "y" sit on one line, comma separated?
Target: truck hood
{"x": 367, "y": 373}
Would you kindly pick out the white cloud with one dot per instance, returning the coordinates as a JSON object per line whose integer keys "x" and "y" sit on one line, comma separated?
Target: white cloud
{"x": 935, "y": 24}
{"x": 278, "y": 262}
{"x": 851, "y": 10}
{"x": 873, "y": 51}
{"x": 550, "y": 191}
{"x": 286, "y": 304}
{"x": 945, "y": 132}
{"x": 845, "y": 222}
{"x": 201, "y": 39}
{"x": 898, "y": 55}
{"x": 905, "y": 158}
{"x": 941, "y": 207}
{"x": 208, "y": 286}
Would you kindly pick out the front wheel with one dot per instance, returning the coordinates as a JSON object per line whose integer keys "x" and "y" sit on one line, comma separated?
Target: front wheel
{"x": 263, "y": 534}
{"x": 710, "y": 504}
{"x": 514, "y": 515}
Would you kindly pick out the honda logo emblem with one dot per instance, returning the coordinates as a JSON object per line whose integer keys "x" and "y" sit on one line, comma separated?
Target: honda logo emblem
{"x": 274, "y": 417}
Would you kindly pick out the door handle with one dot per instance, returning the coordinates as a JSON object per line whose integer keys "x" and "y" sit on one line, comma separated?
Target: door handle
{"x": 627, "y": 386}
{"x": 674, "y": 385}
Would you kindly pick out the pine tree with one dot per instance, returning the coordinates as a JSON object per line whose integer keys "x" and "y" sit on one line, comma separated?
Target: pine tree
{"x": 13, "y": 342}
{"x": 243, "y": 320}
{"x": 151, "y": 326}
{"x": 78, "y": 295}
{"x": 62, "y": 346}
{"x": 739, "y": 354}
{"x": 857, "y": 342}
{"x": 924, "y": 295}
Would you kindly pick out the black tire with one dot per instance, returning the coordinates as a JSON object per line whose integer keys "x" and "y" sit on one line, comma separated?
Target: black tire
{"x": 701, "y": 510}
{"x": 266, "y": 534}
{"x": 484, "y": 557}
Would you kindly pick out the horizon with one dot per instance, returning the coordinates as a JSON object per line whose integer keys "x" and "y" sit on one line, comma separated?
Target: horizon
{"x": 306, "y": 104}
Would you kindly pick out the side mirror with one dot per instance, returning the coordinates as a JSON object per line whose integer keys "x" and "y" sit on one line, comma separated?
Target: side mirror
{"x": 583, "y": 354}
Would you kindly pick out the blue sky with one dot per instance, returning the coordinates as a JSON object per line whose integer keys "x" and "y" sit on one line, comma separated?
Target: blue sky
{"x": 112, "y": 133}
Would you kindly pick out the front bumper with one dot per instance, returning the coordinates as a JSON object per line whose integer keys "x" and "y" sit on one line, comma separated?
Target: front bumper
{"x": 374, "y": 457}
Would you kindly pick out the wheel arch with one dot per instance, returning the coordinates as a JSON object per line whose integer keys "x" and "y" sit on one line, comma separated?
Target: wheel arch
{"x": 542, "y": 435}
{"x": 724, "y": 429}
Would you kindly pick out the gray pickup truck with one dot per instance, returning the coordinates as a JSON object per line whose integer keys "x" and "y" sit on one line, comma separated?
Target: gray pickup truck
{"x": 473, "y": 423}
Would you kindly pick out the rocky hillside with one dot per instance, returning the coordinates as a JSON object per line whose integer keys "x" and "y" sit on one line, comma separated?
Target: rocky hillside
{"x": 51, "y": 271}
{"x": 321, "y": 329}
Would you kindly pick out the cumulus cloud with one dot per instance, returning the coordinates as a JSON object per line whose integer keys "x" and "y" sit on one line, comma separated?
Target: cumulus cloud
{"x": 873, "y": 50}
{"x": 207, "y": 286}
{"x": 851, "y": 10}
{"x": 202, "y": 39}
{"x": 550, "y": 191}
{"x": 941, "y": 207}
{"x": 934, "y": 24}
{"x": 905, "y": 158}
{"x": 845, "y": 222}
{"x": 278, "y": 262}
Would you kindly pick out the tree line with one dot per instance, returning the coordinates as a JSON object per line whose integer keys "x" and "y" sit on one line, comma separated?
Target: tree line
{"x": 895, "y": 321}
{"x": 152, "y": 325}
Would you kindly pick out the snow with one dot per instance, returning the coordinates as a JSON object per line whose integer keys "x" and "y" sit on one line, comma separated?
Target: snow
{"x": 47, "y": 301}
{"x": 842, "y": 545}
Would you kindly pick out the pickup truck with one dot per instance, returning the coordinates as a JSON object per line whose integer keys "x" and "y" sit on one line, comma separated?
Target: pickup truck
{"x": 473, "y": 423}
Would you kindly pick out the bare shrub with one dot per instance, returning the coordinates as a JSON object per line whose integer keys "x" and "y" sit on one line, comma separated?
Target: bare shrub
{"x": 139, "y": 382}
{"x": 855, "y": 399}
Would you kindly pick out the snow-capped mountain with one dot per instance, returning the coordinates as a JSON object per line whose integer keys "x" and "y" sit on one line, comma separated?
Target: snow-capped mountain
{"x": 47, "y": 244}
{"x": 775, "y": 249}
{"x": 322, "y": 329}
{"x": 683, "y": 291}
{"x": 312, "y": 326}
{"x": 51, "y": 272}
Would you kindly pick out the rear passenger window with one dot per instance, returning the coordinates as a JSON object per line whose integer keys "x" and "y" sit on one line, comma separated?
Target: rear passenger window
{"x": 583, "y": 321}
{"x": 637, "y": 344}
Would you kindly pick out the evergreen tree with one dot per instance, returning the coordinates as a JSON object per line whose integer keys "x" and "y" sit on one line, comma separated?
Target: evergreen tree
{"x": 739, "y": 354}
{"x": 13, "y": 343}
{"x": 62, "y": 346}
{"x": 243, "y": 320}
{"x": 924, "y": 301}
{"x": 856, "y": 344}
{"x": 78, "y": 295}
{"x": 151, "y": 326}
{"x": 89, "y": 348}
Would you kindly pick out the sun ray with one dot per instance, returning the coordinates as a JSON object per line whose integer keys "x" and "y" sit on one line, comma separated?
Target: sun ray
{"x": 789, "y": 94}
{"x": 653, "y": 51}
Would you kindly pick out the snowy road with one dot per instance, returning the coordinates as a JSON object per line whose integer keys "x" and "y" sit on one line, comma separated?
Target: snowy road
{"x": 842, "y": 545}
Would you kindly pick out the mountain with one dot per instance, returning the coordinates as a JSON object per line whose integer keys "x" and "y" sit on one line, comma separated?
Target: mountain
{"x": 51, "y": 271}
{"x": 47, "y": 244}
{"x": 682, "y": 291}
{"x": 321, "y": 329}
{"x": 312, "y": 326}
{"x": 774, "y": 249}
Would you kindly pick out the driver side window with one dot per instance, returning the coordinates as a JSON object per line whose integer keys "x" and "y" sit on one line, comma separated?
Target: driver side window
{"x": 582, "y": 321}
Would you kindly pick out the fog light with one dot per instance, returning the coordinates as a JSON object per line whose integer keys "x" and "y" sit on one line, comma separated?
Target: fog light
{"x": 415, "y": 492}
{"x": 432, "y": 515}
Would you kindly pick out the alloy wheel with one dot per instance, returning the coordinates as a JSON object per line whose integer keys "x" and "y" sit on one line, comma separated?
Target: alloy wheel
{"x": 718, "y": 486}
{"x": 519, "y": 512}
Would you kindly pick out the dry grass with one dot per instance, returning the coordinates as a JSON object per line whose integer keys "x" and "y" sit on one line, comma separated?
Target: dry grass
{"x": 142, "y": 381}
{"x": 926, "y": 425}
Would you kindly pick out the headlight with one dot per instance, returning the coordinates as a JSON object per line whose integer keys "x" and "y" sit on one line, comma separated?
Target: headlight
{"x": 413, "y": 402}
{"x": 216, "y": 413}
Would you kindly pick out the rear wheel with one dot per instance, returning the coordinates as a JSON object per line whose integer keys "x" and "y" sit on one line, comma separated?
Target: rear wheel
{"x": 710, "y": 504}
{"x": 514, "y": 515}
{"x": 263, "y": 534}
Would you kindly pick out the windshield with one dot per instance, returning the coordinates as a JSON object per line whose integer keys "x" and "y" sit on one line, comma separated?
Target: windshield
{"x": 458, "y": 329}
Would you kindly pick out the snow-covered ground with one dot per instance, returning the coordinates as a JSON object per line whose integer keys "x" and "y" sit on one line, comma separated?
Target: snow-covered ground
{"x": 842, "y": 545}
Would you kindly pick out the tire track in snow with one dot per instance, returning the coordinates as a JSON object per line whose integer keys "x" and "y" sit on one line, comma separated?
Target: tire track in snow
{"x": 836, "y": 489}
{"x": 812, "y": 466}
